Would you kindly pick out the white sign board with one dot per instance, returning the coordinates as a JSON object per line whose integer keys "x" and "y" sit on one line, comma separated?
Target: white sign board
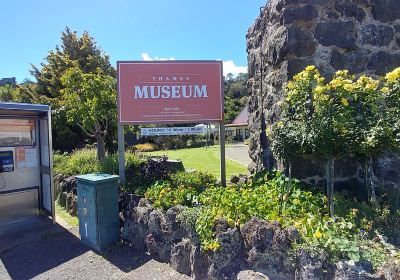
{"x": 153, "y": 131}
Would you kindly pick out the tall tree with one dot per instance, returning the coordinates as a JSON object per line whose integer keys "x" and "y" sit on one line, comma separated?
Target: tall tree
{"x": 74, "y": 52}
{"x": 235, "y": 95}
{"x": 7, "y": 93}
{"x": 90, "y": 102}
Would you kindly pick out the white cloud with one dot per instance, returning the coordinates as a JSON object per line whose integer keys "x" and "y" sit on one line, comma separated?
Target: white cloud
{"x": 231, "y": 67}
{"x": 147, "y": 57}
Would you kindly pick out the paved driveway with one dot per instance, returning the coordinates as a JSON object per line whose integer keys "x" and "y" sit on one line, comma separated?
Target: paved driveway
{"x": 53, "y": 252}
{"x": 239, "y": 153}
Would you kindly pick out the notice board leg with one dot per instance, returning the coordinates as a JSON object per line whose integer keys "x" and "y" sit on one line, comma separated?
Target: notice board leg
{"x": 222, "y": 153}
{"x": 121, "y": 154}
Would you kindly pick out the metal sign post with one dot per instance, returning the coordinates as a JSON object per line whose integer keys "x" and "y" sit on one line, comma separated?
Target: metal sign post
{"x": 222, "y": 153}
{"x": 121, "y": 153}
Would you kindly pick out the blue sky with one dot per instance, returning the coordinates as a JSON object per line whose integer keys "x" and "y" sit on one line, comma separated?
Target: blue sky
{"x": 127, "y": 30}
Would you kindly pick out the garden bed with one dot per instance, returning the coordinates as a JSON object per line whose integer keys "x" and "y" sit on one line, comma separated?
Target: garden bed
{"x": 222, "y": 231}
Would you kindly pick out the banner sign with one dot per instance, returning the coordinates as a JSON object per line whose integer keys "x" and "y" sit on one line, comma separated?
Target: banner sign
{"x": 170, "y": 92}
{"x": 172, "y": 131}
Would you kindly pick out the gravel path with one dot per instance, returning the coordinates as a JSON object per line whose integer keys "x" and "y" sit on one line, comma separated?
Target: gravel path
{"x": 58, "y": 254}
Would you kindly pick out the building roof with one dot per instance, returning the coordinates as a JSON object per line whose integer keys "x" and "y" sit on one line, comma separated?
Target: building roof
{"x": 242, "y": 119}
{"x": 23, "y": 107}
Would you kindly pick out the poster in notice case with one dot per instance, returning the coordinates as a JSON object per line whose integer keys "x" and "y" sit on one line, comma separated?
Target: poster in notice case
{"x": 26, "y": 157}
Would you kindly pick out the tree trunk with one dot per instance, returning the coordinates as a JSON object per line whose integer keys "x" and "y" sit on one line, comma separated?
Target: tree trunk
{"x": 288, "y": 187}
{"x": 330, "y": 181}
{"x": 101, "y": 150}
{"x": 370, "y": 181}
{"x": 366, "y": 180}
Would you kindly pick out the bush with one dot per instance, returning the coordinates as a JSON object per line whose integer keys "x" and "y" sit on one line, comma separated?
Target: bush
{"x": 146, "y": 147}
{"x": 164, "y": 194}
{"x": 197, "y": 180}
{"x": 351, "y": 235}
{"x": 140, "y": 172}
{"x": 181, "y": 188}
{"x": 79, "y": 162}
{"x": 189, "y": 143}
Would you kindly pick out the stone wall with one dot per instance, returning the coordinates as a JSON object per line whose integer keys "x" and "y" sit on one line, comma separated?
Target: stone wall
{"x": 362, "y": 36}
{"x": 257, "y": 250}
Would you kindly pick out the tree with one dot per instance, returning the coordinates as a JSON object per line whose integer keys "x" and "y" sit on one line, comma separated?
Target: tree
{"x": 291, "y": 137}
{"x": 90, "y": 103}
{"x": 7, "y": 93}
{"x": 391, "y": 93}
{"x": 372, "y": 128}
{"x": 318, "y": 120}
{"x": 74, "y": 51}
{"x": 334, "y": 126}
{"x": 235, "y": 96}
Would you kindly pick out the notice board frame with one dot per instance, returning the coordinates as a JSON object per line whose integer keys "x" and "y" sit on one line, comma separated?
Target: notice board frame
{"x": 220, "y": 121}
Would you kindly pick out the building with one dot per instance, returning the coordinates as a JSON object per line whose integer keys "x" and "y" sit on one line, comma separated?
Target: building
{"x": 238, "y": 130}
{"x": 8, "y": 81}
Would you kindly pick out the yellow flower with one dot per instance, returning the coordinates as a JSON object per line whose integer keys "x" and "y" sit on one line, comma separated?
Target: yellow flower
{"x": 310, "y": 68}
{"x": 212, "y": 246}
{"x": 334, "y": 83}
{"x": 370, "y": 86}
{"x": 342, "y": 73}
{"x": 318, "y": 234}
{"x": 348, "y": 87}
{"x": 385, "y": 90}
{"x": 393, "y": 76}
{"x": 216, "y": 246}
{"x": 345, "y": 102}
{"x": 290, "y": 86}
{"x": 319, "y": 89}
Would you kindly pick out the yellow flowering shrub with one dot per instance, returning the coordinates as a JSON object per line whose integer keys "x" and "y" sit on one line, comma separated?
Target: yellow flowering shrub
{"x": 393, "y": 77}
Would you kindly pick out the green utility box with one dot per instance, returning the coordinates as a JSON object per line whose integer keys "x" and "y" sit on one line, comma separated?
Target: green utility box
{"x": 98, "y": 210}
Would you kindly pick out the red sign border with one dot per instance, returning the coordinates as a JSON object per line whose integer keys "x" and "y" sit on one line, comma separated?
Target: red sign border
{"x": 221, "y": 120}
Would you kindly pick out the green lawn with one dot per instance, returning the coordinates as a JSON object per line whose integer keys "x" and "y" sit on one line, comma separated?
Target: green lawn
{"x": 204, "y": 159}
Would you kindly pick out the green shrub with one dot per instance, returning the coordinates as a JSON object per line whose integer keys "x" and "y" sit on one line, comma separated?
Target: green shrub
{"x": 164, "y": 195}
{"x": 84, "y": 162}
{"x": 136, "y": 181}
{"x": 197, "y": 180}
{"x": 79, "y": 162}
{"x": 189, "y": 143}
{"x": 110, "y": 164}
{"x": 350, "y": 235}
{"x": 180, "y": 188}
